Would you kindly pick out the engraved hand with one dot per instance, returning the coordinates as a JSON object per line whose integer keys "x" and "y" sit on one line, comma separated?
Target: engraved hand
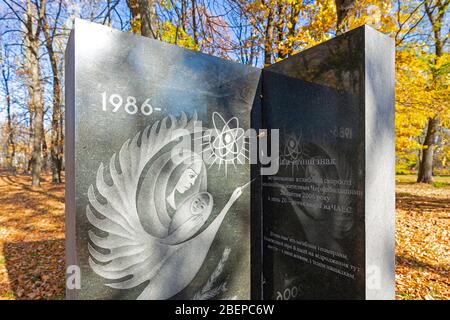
{"x": 236, "y": 194}
{"x": 238, "y": 191}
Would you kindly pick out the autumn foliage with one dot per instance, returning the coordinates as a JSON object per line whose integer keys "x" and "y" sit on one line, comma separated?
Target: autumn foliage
{"x": 32, "y": 257}
{"x": 32, "y": 240}
{"x": 422, "y": 242}
{"x": 254, "y": 32}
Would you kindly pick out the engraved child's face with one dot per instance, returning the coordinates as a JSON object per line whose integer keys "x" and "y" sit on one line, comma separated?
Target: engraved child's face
{"x": 199, "y": 204}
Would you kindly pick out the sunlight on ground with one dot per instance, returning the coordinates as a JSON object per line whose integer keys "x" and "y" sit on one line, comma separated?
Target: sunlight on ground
{"x": 407, "y": 178}
{"x": 32, "y": 239}
{"x": 423, "y": 242}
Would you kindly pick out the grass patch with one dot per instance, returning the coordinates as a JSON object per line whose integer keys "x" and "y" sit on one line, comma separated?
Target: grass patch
{"x": 440, "y": 184}
{"x": 406, "y": 296}
{"x": 9, "y": 295}
{"x": 439, "y": 181}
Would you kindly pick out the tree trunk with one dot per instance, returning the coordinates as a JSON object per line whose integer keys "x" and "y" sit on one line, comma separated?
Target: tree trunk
{"x": 292, "y": 29}
{"x": 10, "y": 146}
{"x": 280, "y": 27}
{"x": 44, "y": 151}
{"x": 343, "y": 9}
{"x": 38, "y": 119}
{"x": 194, "y": 22}
{"x": 149, "y": 26}
{"x": 183, "y": 15}
{"x": 268, "y": 42}
{"x": 55, "y": 140}
{"x": 435, "y": 12}
{"x": 61, "y": 135}
{"x": 11, "y": 152}
{"x": 144, "y": 11}
{"x": 426, "y": 164}
{"x": 32, "y": 43}
{"x": 31, "y": 126}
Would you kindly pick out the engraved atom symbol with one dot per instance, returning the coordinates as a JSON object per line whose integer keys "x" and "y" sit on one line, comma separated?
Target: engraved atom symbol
{"x": 293, "y": 147}
{"x": 226, "y": 142}
{"x": 294, "y": 150}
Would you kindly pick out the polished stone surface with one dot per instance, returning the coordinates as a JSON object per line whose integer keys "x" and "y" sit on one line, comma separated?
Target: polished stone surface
{"x": 176, "y": 208}
{"x": 328, "y": 215}
{"x": 144, "y": 223}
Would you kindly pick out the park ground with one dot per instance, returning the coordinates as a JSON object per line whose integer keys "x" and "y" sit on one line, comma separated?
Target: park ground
{"x": 32, "y": 239}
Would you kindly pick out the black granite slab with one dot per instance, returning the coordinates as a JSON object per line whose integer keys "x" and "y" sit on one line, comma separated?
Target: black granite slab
{"x": 156, "y": 235}
{"x": 141, "y": 222}
{"x": 325, "y": 235}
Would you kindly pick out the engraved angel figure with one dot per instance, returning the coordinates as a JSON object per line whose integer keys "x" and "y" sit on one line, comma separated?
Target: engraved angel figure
{"x": 151, "y": 225}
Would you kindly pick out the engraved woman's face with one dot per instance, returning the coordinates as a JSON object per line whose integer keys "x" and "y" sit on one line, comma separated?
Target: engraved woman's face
{"x": 188, "y": 178}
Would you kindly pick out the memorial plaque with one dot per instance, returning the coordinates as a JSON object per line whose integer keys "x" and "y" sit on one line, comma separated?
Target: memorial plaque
{"x": 163, "y": 203}
{"x": 328, "y": 214}
{"x": 158, "y": 186}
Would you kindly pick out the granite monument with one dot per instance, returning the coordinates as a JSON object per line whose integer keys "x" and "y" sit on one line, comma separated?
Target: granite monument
{"x": 162, "y": 201}
{"x": 158, "y": 194}
{"x": 328, "y": 214}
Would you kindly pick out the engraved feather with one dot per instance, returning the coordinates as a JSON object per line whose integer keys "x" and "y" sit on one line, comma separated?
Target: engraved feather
{"x": 129, "y": 255}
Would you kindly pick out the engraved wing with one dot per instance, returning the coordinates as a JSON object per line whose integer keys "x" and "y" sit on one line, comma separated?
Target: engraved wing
{"x": 122, "y": 251}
